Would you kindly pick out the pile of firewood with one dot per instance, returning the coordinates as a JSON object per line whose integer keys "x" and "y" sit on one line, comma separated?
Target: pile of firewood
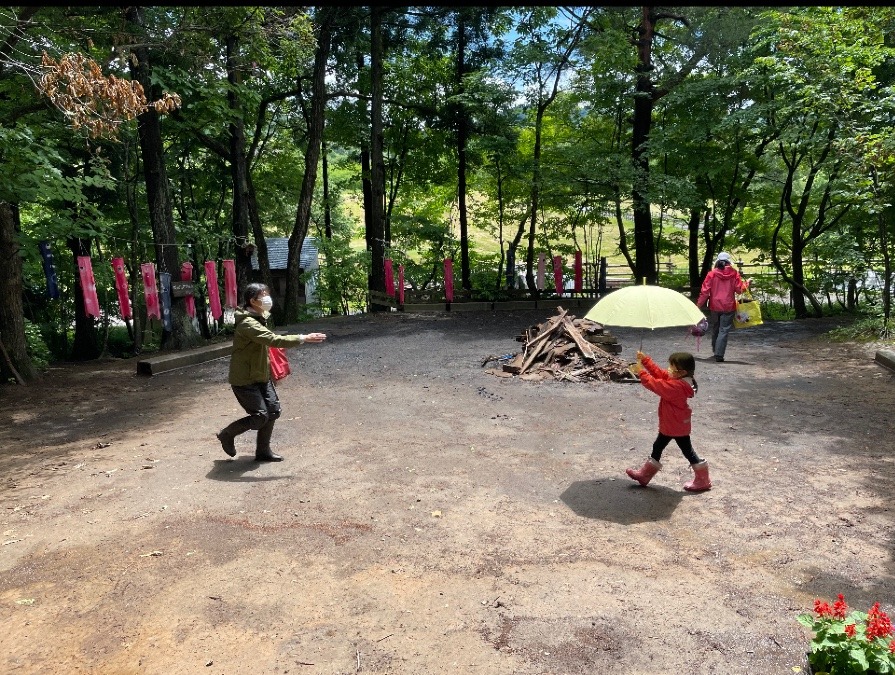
{"x": 566, "y": 349}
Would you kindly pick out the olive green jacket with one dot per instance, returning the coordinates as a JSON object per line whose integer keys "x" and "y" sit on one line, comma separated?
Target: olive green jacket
{"x": 249, "y": 362}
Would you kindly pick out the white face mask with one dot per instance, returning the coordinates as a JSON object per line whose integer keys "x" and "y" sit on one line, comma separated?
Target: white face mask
{"x": 266, "y": 303}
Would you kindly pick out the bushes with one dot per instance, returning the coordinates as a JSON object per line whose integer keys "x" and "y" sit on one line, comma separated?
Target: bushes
{"x": 868, "y": 328}
{"x": 37, "y": 348}
{"x": 776, "y": 311}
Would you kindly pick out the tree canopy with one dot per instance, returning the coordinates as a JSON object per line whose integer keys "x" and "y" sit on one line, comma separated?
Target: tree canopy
{"x": 183, "y": 138}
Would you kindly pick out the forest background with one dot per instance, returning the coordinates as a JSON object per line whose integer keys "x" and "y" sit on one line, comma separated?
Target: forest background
{"x": 651, "y": 136}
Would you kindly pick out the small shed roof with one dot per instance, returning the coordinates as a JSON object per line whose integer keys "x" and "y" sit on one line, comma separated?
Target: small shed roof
{"x": 278, "y": 253}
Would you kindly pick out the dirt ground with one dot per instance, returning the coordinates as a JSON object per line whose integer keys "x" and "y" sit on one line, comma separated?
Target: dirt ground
{"x": 433, "y": 518}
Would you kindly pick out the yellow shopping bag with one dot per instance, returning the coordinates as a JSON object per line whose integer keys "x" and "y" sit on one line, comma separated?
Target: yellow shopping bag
{"x": 748, "y": 312}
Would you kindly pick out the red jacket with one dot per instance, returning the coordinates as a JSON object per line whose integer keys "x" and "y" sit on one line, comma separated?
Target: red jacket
{"x": 720, "y": 288}
{"x": 674, "y": 412}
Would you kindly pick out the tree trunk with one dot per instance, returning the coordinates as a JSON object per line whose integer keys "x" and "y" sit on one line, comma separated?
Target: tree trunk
{"x": 645, "y": 96}
{"x": 327, "y": 207}
{"x": 238, "y": 165}
{"x": 161, "y": 214}
{"x": 500, "y": 215}
{"x": 887, "y": 269}
{"x": 258, "y": 234}
{"x": 85, "y": 346}
{"x": 312, "y": 157}
{"x": 133, "y": 259}
{"x": 512, "y": 247}
{"x": 376, "y": 240}
{"x": 199, "y": 295}
{"x": 12, "y": 321}
{"x": 693, "y": 261}
{"x": 239, "y": 157}
{"x": 644, "y": 247}
{"x": 462, "y": 127}
{"x": 544, "y": 101}
{"x": 798, "y": 271}
{"x": 796, "y": 280}
{"x": 367, "y": 189}
{"x": 883, "y": 233}
{"x": 366, "y": 185}
{"x": 534, "y": 199}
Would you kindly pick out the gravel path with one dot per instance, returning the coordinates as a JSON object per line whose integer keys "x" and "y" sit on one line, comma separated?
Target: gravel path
{"x": 433, "y": 518}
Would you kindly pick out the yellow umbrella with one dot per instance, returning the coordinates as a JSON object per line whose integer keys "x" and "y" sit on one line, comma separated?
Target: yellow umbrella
{"x": 645, "y": 307}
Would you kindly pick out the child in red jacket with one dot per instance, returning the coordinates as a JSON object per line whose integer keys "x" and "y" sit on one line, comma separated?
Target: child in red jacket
{"x": 674, "y": 386}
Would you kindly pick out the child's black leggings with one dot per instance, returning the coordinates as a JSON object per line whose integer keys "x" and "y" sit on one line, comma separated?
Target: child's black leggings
{"x": 683, "y": 442}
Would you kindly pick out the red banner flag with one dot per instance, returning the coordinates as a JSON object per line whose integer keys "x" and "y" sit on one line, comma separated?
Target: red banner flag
{"x": 229, "y": 283}
{"x": 579, "y": 277}
{"x": 401, "y": 284}
{"x": 150, "y": 291}
{"x": 449, "y": 279}
{"x": 557, "y": 274}
{"x": 124, "y": 300}
{"x": 186, "y": 274}
{"x": 214, "y": 293}
{"x": 88, "y": 286}
{"x": 389, "y": 278}
{"x": 541, "y": 271}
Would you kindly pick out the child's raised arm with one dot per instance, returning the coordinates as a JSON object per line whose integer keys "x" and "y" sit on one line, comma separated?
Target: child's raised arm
{"x": 652, "y": 368}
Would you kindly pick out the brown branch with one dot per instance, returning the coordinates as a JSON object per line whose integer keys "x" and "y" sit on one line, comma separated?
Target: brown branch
{"x": 17, "y": 32}
{"x": 10, "y": 365}
{"x": 261, "y": 117}
{"x": 428, "y": 110}
{"x": 216, "y": 146}
{"x": 681, "y": 75}
{"x": 674, "y": 17}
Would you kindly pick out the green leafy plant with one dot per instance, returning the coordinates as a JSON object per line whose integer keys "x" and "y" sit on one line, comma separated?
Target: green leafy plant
{"x": 846, "y": 643}
{"x": 772, "y": 310}
{"x": 36, "y": 346}
{"x": 863, "y": 329}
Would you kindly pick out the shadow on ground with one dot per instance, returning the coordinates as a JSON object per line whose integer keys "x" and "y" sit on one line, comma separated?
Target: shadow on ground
{"x": 235, "y": 470}
{"x": 622, "y": 502}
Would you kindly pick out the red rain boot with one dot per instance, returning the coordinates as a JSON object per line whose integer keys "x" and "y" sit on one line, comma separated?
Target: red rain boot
{"x": 701, "y": 481}
{"x": 645, "y": 474}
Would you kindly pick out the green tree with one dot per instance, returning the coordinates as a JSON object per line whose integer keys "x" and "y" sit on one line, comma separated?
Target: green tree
{"x": 87, "y": 99}
{"x": 712, "y": 144}
{"x": 814, "y": 68}
{"x": 650, "y": 88}
{"x": 180, "y": 335}
{"x": 543, "y": 53}
{"x": 325, "y": 20}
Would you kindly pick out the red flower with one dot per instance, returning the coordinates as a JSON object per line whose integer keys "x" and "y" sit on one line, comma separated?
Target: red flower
{"x": 822, "y": 609}
{"x": 839, "y": 607}
{"x": 878, "y": 623}
{"x": 850, "y": 630}
{"x": 892, "y": 646}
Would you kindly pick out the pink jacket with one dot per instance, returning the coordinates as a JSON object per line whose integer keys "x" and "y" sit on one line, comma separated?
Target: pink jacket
{"x": 720, "y": 288}
{"x": 674, "y": 411}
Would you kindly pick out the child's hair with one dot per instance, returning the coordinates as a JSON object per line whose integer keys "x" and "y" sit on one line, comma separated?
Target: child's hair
{"x": 684, "y": 361}
{"x": 251, "y": 292}
{"x": 721, "y": 264}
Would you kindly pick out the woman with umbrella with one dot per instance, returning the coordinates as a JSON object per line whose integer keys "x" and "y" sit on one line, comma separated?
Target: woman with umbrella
{"x": 720, "y": 288}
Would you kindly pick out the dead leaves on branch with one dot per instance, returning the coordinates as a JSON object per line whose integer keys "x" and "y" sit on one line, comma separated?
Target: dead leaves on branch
{"x": 93, "y": 101}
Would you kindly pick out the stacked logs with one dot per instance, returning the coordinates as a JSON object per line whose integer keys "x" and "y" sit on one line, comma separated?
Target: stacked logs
{"x": 566, "y": 349}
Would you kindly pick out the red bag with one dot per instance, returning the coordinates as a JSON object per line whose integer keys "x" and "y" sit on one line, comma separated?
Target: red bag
{"x": 279, "y": 364}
